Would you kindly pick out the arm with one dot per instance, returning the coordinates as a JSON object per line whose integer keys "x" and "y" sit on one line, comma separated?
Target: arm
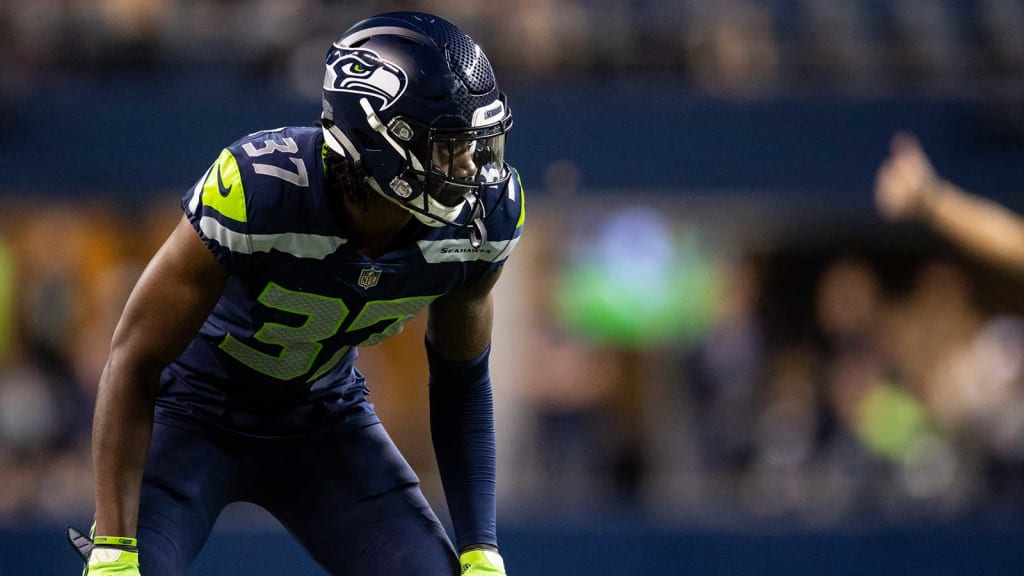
{"x": 907, "y": 187}
{"x": 462, "y": 419}
{"x": 459, "y": 325}
{"x": 173, "y": 297}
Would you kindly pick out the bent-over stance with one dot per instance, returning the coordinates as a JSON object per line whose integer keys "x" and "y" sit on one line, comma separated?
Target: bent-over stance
{"x": 231, "y": 375}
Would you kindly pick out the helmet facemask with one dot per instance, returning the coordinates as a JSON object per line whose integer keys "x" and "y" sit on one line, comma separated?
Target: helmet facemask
{"x": 447, "y": 171}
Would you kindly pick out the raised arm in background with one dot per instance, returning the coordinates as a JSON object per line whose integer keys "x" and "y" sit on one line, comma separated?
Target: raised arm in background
{"x": 907, "y": 187}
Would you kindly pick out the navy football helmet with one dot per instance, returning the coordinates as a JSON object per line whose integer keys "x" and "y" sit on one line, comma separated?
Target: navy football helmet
{"x": 413, "y": 102}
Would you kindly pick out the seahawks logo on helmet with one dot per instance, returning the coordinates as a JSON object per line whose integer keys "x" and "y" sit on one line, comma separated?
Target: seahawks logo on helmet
{"x": 364, "y": 72}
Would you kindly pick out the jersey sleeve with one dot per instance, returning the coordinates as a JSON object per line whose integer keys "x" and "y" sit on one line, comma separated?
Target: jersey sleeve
{"x": 218, "y": 209}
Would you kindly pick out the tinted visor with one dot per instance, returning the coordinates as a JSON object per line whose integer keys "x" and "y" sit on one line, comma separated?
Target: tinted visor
{"x": 462, "y": 162}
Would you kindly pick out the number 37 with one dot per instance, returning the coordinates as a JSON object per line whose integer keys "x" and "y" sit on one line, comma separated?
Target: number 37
{"x": 301, "y": 345}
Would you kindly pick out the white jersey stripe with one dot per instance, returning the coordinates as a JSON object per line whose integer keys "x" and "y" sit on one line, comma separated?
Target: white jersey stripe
{"x": 460, "y": 250}
{"x": 197, "y": 192}
{"x": 299, "y": 245}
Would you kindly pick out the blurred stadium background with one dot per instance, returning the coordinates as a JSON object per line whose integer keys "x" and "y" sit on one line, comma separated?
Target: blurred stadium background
{"x": 713, "y": 357}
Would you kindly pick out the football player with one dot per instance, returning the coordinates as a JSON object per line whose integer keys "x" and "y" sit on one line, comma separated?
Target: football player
{"x": 907, "y": 187}
{"x": 231, "y": 374}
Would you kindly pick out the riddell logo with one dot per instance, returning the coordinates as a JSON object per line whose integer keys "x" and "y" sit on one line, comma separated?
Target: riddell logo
{"x": 465, "y": 250}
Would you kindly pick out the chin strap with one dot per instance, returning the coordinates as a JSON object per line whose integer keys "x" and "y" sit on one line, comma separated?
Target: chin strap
{"x": 340, "y": 143}
{"x": 477, "y": 230}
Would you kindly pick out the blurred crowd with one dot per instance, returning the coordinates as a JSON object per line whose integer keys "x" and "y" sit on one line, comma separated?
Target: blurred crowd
{"x": 821, "y": 382}
{"x": 730, "y": 47}
{"x": 65, "y": 272}
{"x": 820, "y": 387}
{"x": 706, "y": 376}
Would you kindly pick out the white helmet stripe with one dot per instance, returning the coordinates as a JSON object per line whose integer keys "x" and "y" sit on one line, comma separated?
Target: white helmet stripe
{"x": 380, "y": 128}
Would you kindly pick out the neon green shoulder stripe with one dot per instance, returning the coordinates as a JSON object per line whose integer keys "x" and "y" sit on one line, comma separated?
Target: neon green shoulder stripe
{"x": 522, "y": 202}
{"x": 223, "y": 190}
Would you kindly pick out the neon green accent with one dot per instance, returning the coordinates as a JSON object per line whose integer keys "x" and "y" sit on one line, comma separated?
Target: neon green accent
{"x": 323, "y": 157}
{"x": 398, "y": 311}
{"x": 225, "y": 173}
{"x": 114, "y": 540}
{"x": 890, "y": 420}
{"x": 112, "y": 562}
{"x": 7, "y": 275}
{"x": 481, "y": 563}
{"x": 609, "y": 300}
{"x": 92, "y": 534}
{"x": 522, "y": 202}
{"x": 330, "y": 364}
{"x": 358, "y": 68}
{"x": 300, "y": 345}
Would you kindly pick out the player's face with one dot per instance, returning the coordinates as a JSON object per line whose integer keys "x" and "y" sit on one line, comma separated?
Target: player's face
{"x": 455, "y": 159}
{"x": 461, "y": 164}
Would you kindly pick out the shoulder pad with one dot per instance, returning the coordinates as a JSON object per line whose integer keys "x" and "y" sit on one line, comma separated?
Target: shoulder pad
{"x": 504, "y": 222}
{"x": 262, "y": 193}
{"x": 507, "y": 210}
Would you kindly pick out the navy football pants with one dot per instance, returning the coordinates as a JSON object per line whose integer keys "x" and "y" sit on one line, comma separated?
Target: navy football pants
{"x": 348, "y": 496}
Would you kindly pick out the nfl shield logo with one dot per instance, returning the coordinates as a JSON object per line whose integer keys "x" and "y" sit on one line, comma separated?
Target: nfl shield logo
{"x": 368, "y": 278}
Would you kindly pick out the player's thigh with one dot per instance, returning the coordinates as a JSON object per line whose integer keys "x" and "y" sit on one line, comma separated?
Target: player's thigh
{"x": 355, "y": 504}
{"x": 413, "y": 543}
{"x": 187, "y": 482}
{"x": 410, "y": 541}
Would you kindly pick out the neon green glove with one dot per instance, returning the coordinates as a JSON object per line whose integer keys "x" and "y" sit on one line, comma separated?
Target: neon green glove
{"x": 106, "y": 555}
{"x": 113, "y": 556}
{"x": 481, "y": 563}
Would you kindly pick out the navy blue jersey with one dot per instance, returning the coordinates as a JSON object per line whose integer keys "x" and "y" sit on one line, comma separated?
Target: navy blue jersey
{"x": 276, "y": 354}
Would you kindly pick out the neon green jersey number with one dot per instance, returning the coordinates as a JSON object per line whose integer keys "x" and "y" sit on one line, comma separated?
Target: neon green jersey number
{"x": 300, "y": 345}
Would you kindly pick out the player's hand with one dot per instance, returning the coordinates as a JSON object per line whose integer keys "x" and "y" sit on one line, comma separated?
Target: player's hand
{"x": 906, "y": 182}
{"x": 481, "y": 563}
{"x": 106, "y": 555}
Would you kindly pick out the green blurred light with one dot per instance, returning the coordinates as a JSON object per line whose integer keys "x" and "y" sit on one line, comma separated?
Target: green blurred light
{"x": 889, "y": 420}
{"x": 596, "y": 301}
